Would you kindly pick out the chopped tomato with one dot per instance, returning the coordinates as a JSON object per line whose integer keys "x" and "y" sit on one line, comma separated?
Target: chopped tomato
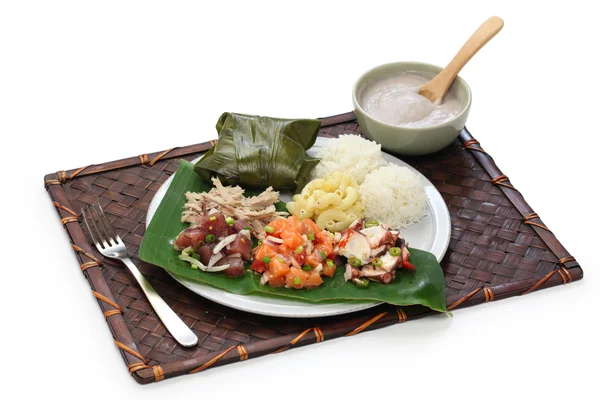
{"x": 259, "y": 266}
{"x": 408, "y": 265}
{"x": 300, "y": 257}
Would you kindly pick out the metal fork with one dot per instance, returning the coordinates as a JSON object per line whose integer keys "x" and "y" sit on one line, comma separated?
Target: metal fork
{"x": 109, "y": 243}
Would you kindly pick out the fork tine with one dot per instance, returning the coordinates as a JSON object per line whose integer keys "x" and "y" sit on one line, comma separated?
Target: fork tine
{"x": 104, "y": 222}
{"x": 99, "y": 228}
{"x": 99, "y": 225}
{"x": 87, "y": 218}
{"x": 109, "y": 228}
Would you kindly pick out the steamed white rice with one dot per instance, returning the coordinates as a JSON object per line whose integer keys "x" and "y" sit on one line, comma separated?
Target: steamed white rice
{"x": 349, "y": 153}
{"x": 393, "y": 195}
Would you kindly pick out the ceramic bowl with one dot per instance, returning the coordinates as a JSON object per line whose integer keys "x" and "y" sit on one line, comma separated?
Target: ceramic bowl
{"x": 409, "y": 141}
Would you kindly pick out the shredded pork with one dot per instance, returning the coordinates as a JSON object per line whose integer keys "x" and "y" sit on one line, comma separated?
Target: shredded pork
{"x": 258, "y": 211}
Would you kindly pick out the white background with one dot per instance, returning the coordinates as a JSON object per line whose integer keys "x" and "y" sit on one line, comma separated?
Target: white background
{"x": 85, "y": 82}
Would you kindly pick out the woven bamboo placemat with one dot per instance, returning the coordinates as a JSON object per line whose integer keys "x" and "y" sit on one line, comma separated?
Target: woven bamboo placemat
{"x": 499, "y": 248}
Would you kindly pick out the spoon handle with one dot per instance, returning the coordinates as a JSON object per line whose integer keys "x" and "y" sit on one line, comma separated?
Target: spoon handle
{"x": 440, "y": 84}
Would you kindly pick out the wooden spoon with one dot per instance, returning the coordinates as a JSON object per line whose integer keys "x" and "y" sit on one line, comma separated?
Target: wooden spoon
{"x": 437, "y": 87}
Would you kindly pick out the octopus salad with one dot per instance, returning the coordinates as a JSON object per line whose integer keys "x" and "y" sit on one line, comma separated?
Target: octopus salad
{"x": 373, "y": 252}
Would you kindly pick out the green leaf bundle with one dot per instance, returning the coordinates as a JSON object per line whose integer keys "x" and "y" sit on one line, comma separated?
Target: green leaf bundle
{"x": 258, "y": 152}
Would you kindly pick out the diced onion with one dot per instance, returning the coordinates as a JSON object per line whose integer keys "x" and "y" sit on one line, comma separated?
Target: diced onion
{"x": 321, "y": 256}
{"x": 214, "y": 259}
{"x": 217, "y": 268}
{"x": 309, "y": 246}
{"x": 274, "y": 239}
{"x": 193, "y": 261}
{"x": 223, "y": 243}
{"x": 264, "y": 279}
{"x": 295, "y": 262}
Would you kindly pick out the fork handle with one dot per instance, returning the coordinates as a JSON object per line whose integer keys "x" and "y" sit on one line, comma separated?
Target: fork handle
{"x": 172, "y": 322}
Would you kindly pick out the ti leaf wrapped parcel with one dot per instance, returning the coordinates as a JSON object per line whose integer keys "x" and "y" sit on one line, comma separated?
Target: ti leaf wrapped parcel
{"x": 258, "y": 152}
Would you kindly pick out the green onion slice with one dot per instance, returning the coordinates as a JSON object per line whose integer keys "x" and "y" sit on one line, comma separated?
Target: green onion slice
{"x": 354, "y": 261}
{"x": 361, "y": 283}
{"x": 395, "y": 251}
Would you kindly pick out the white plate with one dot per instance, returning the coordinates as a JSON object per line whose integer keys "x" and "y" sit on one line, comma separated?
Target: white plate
{"x": 432, "y": 234}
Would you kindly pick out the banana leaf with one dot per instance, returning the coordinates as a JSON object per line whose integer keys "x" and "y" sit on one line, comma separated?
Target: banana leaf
{"x": 257, "y": 152}
{"x": 426, "y": 286}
